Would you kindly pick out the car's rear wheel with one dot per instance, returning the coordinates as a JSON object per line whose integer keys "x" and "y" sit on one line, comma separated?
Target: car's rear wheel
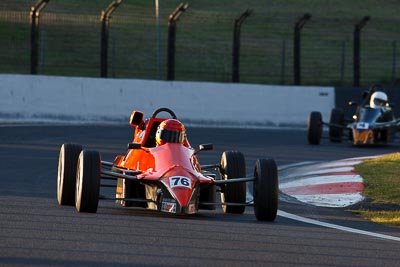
{"x": 88, "y": 181}
{"x": 314, "y": 128}
{"x": 66, "y": 175}
{"x": 336, "y": 122}
{"x": 265, "y": 190}
{"x": 233, "y": 166}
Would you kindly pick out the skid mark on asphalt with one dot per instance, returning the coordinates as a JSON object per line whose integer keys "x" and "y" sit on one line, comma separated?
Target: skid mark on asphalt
{"x": 334, "y": 226}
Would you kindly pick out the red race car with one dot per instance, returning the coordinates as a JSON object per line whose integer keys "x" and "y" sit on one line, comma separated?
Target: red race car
{"x": 160, "y": 171}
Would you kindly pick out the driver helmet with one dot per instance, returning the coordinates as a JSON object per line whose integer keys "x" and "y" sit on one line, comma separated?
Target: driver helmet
{"x": 170, "y": 131}
{"x": 378, "y": 99}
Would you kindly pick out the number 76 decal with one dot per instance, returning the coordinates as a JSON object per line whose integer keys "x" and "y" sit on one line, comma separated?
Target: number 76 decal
{"x": 180, "y": 181}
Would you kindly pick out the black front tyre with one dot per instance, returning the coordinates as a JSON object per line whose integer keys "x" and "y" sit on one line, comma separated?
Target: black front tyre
{"x": 234, "y": 166}
{"x": 336, "y": 125}
{"x": 88, "y": 181}
{"x": 265, "y": 190}
{"x": 66, "y": 175}
{"x": 314, "y": 128}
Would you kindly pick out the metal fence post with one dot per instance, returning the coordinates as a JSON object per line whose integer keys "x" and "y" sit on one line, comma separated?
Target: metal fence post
{"x": 356, "y": 55}
{"x": 173, "y": 18}
{"x": 283, "y": 61}
{"x": 34, "y": 19}
{"x": 343, "y": 62}
{"x": 394, "y": 61}
{"x": 105, "y": 25}
{"x": 236, "y": 44}
{"x": 296, "y": 46}
{"x": 159, "y": 41}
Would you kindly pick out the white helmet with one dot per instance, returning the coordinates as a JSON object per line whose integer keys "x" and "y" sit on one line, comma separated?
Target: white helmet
{"x": 378, "y": 99}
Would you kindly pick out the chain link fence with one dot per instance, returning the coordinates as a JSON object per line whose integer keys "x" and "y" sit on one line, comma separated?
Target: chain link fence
{"x": 69, "y": 43}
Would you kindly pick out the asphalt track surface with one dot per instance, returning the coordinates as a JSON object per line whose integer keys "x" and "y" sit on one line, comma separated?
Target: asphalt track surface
{"x": 36, "y": 231}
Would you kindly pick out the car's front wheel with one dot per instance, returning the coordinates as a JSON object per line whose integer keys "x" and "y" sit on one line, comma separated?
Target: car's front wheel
{"x": 88, "y": 181}
{"x": 336, "y": 122}
{"x": 314, "y": 128}
{"x": 265, "y": 190}
{"x": 233, "y": 166}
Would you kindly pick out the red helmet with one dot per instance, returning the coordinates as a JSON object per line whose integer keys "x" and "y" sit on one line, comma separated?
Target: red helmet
{"x": 170, "y": 131}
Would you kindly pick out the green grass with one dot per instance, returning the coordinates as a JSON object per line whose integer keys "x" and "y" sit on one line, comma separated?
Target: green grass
{"x": 382, "y": 189}
{"x": 389, "y": 218}
{"x": 70, "y": 39}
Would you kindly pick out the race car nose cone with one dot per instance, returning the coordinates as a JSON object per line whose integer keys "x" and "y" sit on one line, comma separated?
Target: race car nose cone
{"x": 182, "y": 187}
{"x": 182, "y": 196}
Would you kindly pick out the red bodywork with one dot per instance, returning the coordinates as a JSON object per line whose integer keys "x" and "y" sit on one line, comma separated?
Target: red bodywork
{"x": 166, "y": 177}
{"x": 170, "y": 174}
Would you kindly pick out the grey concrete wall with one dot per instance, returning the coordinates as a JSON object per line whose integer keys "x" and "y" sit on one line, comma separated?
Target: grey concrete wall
{"x": 44, "y": 98}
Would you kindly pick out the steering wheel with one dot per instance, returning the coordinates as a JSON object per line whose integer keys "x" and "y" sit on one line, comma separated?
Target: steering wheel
{"x": 155, "y": 113}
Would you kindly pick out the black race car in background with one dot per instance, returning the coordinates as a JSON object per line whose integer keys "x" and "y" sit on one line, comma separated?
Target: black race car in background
{"x": 372, "y": 123}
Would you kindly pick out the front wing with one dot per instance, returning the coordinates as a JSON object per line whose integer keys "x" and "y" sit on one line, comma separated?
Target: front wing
{"x": 158, "y": 197}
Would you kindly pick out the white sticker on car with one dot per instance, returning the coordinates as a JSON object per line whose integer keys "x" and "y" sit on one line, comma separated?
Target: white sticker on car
{"x": 168, "y": 207}
{"x": 362, "y": 125}
{"x": 175, "y": 181}
{"x": 192, "y": 208}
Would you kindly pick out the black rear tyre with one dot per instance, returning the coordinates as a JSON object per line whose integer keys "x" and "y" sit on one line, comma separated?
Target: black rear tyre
{"x": 234, "y": 166}
{"x": 265, "y": 190}
{"x": 314, "y": 128}
{"x": 88, "y": 181}
{"x": 336, "y": 132}
{"x": 66, "y": 175}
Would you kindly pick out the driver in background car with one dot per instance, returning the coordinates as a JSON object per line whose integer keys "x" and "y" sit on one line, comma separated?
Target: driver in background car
{"x": 379, "y": 100}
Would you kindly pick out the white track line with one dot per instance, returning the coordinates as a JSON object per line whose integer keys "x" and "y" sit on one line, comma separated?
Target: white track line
{"x": 329, "y": 225}
{"x": 323, "y": 224}
{"x": 337, "y": 227}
